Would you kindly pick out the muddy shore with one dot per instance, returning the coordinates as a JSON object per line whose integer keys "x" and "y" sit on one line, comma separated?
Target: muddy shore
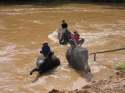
{"x": 114, "y": 84}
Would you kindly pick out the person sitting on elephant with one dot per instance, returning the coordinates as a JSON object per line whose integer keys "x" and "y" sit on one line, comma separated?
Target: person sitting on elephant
{"x": 73, "y": 40}
{"x": 64, "y": 24}
{"x": 64, "y": 32}
{"x": 67, "y": 34}
{"x": 46, "y": 51}
{"x": 77, "y": 38}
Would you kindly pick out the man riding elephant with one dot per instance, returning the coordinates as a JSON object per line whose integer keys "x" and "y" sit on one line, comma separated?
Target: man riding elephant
{"x": 64, "y": 33}
{"x": 46, "y": 51}
{"x": 65, "y": 36}
{"x": 45, "y": 62}
{"x": 64, "y": 24}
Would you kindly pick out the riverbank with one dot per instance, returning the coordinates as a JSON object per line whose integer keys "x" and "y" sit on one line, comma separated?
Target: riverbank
{"x": 115, "y": 84}
{"x": 54, "y": 3}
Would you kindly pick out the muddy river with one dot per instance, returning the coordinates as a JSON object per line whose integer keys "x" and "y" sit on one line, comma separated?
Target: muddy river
{"x": 23, "y": 29}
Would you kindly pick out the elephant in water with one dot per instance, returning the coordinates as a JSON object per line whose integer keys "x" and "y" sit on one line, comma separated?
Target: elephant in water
{"x": 64, "y": 36}
{"x": 45, "y": 65}
{"x": 77, "y": 57}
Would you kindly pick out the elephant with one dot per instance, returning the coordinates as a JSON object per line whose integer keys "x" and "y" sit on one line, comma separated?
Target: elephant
{"x": 77, "y": 58}
{"x": 64, "y": 36}
{"x": 44, "y": 65}
{"x": 76, "y": 55}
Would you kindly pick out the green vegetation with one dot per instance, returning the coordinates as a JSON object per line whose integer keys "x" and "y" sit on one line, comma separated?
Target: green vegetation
{"x": 121, "y": 67}
{"x": 117, "y": 1}
{"x": 59, "y": 1}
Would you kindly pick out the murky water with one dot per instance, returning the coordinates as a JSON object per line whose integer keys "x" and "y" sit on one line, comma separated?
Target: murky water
{"x": 23, "y": 29}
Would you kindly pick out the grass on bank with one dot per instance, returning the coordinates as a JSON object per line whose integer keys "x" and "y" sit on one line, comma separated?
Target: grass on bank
{"x": 121, "y": 66}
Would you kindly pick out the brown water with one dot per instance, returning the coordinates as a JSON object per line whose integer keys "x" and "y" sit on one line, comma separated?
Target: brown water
{"x": 23, "y": 29}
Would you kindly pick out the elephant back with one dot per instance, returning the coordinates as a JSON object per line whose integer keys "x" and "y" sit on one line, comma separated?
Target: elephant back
{"x": 77, "y": 57}
{"x": 46, "y": 64}
{"x": 55, "y": 60}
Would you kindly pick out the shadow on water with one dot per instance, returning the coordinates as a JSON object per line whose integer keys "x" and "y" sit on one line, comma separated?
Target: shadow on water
{"x": 87, "y": 76}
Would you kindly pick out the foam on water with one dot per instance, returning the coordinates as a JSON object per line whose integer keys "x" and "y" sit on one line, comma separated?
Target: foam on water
{"x": 29, "y": 10}
{"x": 7, "y": 52}
{"x": 53, "y": 36}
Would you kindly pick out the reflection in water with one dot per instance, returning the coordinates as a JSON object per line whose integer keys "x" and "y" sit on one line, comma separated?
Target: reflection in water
{"x": 24, "y": 28}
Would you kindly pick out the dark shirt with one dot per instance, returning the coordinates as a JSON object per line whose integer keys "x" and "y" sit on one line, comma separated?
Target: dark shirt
{"x": 64, "y": 25}
{"x": 46, "y": 50}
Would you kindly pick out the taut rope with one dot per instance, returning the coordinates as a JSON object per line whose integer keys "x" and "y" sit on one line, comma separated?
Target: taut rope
{"x": 94, "y": 53}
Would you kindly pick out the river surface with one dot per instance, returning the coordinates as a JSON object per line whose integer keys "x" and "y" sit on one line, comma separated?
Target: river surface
{"x": 23, "y": 29}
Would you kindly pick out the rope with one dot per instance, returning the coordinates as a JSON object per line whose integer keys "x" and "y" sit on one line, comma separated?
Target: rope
{"x": 106, "y": 51}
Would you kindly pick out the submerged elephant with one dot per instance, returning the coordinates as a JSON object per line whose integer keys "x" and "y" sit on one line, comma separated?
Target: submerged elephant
{"x": 46, "y": 64}
{"x": 77, "y": 57}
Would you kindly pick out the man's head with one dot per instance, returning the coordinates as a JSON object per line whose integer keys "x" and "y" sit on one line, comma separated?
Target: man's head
{"x": 64, "y": 24}
{"x": 45, "y": 44}
{"x": 63, "y": 21}
{"x": 75, "y": 32}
